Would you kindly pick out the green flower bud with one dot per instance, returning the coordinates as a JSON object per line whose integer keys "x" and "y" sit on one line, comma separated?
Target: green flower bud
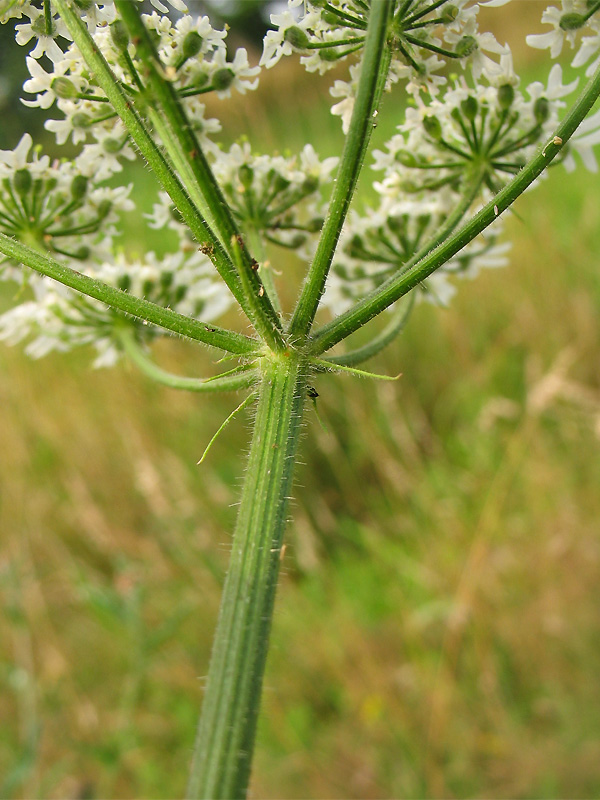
{"x": 315, "y": 225}
{"x": 104, "y": 209}
{"x": 112, "y": 146}
{"x": 180, "y": 293}
{"x": 124, "y": 283}
{"x": 81, "y": 253}
{"x": 506, "y": 95}
{"x": 432, "y": 127}
{"x": 469, "y": 107}
{"x": 330, "y": 18}
{"x": 38, "y": 26}
{"x": 406, "y": 158}
{"x": 310, "y": 184}
{"x": 280, "y": 184}
{"x": 355, "y": 247}
{"x": 296, "y": 37}
{"x": 166, "y": 279}
{"x": 22, "y": 182}
{"x": 448, "y": 14}
{"x": 410, "y": 187}
{"x": 222, "y": 79}
{"x": 79, "y": 187}
{"x": 329, "y": 54}
{"x": 192, "y": 44}
{"x": 298, "y": 241}
{"x": 63, "y": 88}
{"x": 147, "y": 287}
{"x": 81, "y": 120}
{"x": 200, "y": 80}
{"x": 571, "y": 22}
{"x": 398, "y": 224}
{"x": 541, "y": 110}
{"x": 119, "y": 35}
{"x": 246, "y": 175}
{"x": 466, "y": 46}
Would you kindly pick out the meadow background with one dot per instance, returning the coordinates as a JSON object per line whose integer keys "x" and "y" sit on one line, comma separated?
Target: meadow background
{"x": 437, "y": 630}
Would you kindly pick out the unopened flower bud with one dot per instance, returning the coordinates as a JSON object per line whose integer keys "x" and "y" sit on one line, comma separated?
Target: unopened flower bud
{"x": 246, "y": 175}
{"x": 280, "y": 184}
{"x": 63, "y": 88}
{"x": 506, "y": 95}
{"x": 192, "y": 44}
{"x": 79, "y": 187}
{"x": 222, "y": 79}
{"x": 406, "y": 158}
{"x": 448, "y": 14}
{"x": 112, "y": 146}
{"x": 124, "y": 283}
{"x": 310, "y": 184}
{"x": 22, "y": 182}
{"x": 432, "y": 127}
{"x": 541, "y": 110}
{"x": 296, "y": 37}
{"x": 81, "y": 120}
{"x": 315, "y": 225}
{"x": 119, "y": 35}
{"x": 398, "y": 223}
{"x": 104, "y": 209}
{"x": 81, "y": 253}
{"x": 355, "y": 247}
{"x": 466, "y": 46}
{"x": 469, "y": 107}
{"x": 571, "y": 22}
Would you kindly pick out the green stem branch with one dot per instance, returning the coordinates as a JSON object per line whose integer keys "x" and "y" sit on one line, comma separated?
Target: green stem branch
{"x": 397, "y": 286}
{"x": 159, "y": 165}
{"x": 242, "y": 378}
{"x": 375, "y": 66}
{"x": 121, "y": 301}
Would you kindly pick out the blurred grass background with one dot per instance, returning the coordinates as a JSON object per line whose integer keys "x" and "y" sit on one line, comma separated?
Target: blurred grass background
{"x": 437, "y": 630}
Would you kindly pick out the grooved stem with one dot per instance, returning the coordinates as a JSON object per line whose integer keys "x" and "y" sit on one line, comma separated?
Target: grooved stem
{"x": 226, "y": 733}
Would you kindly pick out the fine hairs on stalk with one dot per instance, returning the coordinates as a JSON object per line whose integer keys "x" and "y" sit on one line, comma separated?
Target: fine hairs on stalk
{"x": 124, "y": 85}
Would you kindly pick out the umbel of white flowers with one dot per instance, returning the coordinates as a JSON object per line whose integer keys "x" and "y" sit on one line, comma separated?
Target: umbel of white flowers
{"x": 471, "y": 125}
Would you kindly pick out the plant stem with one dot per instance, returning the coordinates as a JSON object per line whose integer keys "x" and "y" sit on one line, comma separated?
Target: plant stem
{"x": 240, "y": 378}
{"x": 148, "y": 148}
{"x": 226, "y": 733}
{"x": 122, "y": 301}
{"x": 375, "y": 66}
{"x": 183, "y": 147}
{"x": 399, "y": 285}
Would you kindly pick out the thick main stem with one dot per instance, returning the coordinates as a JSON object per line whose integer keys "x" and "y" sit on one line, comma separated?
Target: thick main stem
{"x": 225, "y": 739}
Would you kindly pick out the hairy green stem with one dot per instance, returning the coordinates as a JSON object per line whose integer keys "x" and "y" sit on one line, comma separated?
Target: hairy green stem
{"x": 375, "y": 66}
{"x": 240, "y": 378}
{"x": 226, "y": 733}
{"x": 399, "y": 285}
{"x": 136, "y": 128}
{"x": 182, "y": 145}
{"x": 122, "y": 301}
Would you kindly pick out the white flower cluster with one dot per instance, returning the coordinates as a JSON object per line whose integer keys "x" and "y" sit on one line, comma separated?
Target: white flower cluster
{"x": 60, "y": 319}
{"x": 57, "y": 206}
{"x": 470, "y": 137}
{"x": 466, "y": 129}
{"x": 276, "y": 196}
{"x": 192, "y": 52}
{"x": 425, "y": 36}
